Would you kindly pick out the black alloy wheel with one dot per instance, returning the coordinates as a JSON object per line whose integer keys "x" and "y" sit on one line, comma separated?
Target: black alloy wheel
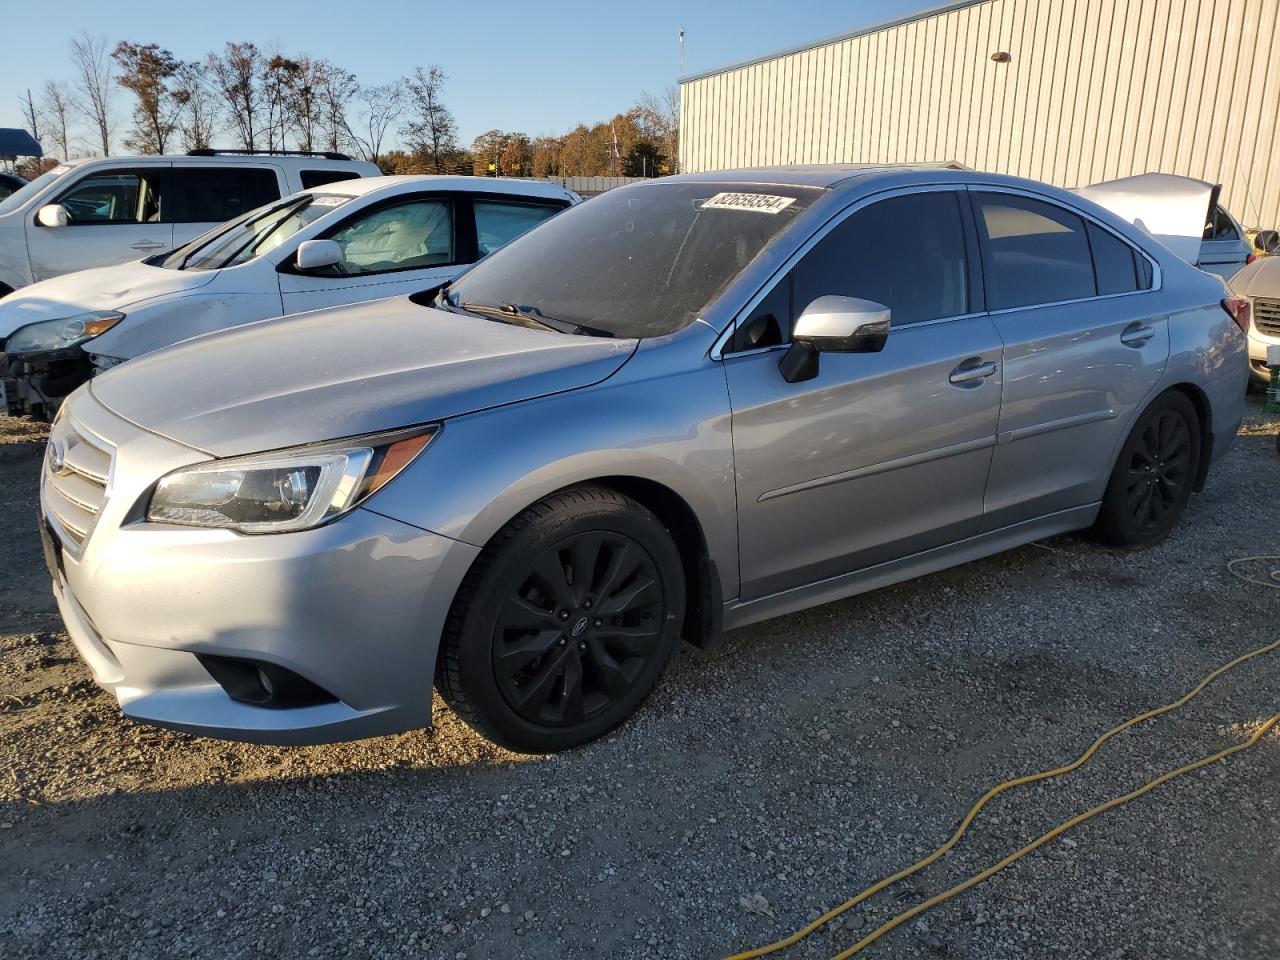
{"x": 576, "y": 633}
{"x": 564, "y": 623}
{"x": 1160, "y": 469}
{"x": 1154, "y": 475}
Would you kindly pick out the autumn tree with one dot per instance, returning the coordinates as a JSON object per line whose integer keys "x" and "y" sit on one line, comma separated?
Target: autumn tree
{"x": 147, "y": 70}
{"x": 545, "y": 157}
{"x": 94, "y": 78}
{"x": 660, "y": 118}
{"x": 234, "y": 75}
{"x": 430, "y": 127}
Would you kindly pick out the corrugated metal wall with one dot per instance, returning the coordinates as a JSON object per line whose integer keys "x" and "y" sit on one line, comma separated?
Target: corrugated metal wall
{"x": 1096, "y": 89}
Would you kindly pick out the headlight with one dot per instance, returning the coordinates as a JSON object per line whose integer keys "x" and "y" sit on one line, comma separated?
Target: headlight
{"x": 59, "y": 334}
{"x": 287, "y": 489}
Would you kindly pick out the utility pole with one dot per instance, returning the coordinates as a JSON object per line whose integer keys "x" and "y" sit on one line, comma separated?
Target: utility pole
{"x": 681, "y": 50}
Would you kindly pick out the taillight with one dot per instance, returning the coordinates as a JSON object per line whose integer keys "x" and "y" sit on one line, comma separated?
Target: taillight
{"x": 1250, "y": 258}
{"x": 1238, "y": 309}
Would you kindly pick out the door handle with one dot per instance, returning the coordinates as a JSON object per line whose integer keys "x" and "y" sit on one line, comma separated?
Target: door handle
{"x": 148, "y": 245}
{"x": 979, "y": 371}
{"x": 1136, "y": 334}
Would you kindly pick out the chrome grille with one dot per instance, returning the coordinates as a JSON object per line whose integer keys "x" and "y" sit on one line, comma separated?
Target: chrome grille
{"x": 77, "y": 471}
{"x": 1266, "y": 316}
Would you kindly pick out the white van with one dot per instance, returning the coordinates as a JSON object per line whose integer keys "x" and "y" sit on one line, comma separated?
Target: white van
{"x": 94, "y": 213}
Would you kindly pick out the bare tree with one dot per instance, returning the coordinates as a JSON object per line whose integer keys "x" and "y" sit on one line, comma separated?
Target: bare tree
{"x": 56, "y": 106}
{"x": 93, "y": 81}
{"x": 430, "y": 128}
{"x": 235, "y": 77}
{"x": 660, "y": 117}
{"x": 197, "y": 106}
{"x": 30, "y": 116}
{"x": 339, "y": 89}
{"x": 382, "y": 106}
{"x": 146, "y": 71}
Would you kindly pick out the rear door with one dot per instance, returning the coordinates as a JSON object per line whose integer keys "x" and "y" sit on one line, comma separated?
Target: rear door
{"x": 1225, "y": 250}
{"x": 201, "y": 197}
{"x": 1083, "y": 348}
{"x": 884, "y": 454}
{"x": 116, "y": 213}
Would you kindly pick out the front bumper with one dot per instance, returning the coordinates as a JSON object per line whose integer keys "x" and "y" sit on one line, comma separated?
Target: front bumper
{"x": 356, "y": 607}
{"x": 1258, "y": 344}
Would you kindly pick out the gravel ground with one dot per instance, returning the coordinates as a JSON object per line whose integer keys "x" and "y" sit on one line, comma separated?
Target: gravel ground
{"x": 768, "y": 778}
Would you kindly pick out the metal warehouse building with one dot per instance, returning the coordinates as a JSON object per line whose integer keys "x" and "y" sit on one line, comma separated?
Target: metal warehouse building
{"x": 1067, "y": 92}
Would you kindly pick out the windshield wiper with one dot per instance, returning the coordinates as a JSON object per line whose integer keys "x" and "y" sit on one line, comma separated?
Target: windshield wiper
{"x": 532, "y": 316}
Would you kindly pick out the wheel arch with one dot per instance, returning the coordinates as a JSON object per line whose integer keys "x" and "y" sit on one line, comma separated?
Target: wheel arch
{"x": 704, "y": 603}
{"x": 1204, "y": 414}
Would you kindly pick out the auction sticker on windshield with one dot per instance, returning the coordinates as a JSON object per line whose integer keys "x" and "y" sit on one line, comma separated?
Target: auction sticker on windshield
{"x": 759, "y": 202}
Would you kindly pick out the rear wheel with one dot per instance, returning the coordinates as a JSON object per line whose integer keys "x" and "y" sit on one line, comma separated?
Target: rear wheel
{"x": 565, "y": 622}
{"x": 1152, "y": 480}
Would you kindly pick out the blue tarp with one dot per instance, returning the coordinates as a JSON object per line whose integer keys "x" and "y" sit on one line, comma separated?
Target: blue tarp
{"x": 18, "y": 143}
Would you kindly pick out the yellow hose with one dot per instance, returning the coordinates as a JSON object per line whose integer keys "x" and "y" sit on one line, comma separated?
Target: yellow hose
{"x": 1023, "y": 781}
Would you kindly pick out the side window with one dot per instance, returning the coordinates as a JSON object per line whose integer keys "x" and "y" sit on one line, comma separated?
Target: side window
{"x": 412, "y": 235}
{"x": 499, "y": 222}
{"x": 217, "y": 194}
{"x": 1033, "y": 252}
{"x": 1220, "y": 226}
{"x": 1114, "y": 262}
{"x": 318, "y": 178}
{"x": 907, "y": 252}
{"x": 113, "y": 196}
{"x": 769, "y": 324}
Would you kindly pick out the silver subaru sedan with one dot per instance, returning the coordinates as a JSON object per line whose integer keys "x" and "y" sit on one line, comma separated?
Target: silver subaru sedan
{"x": 681, "y": 407}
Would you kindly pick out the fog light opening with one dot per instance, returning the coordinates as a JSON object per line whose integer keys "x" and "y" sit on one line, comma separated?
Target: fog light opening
{"x": 263, "y": 684}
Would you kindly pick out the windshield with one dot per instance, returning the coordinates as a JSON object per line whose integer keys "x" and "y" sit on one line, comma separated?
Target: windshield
{"x": 253, "y": 234}
{"x": 638, "y": 261}
{"x": 26, "y": 192}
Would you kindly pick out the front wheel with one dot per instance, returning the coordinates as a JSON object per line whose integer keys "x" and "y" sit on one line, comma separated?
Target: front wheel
{"x": 565, "y": 622}
{"x": 1152, "y": 479}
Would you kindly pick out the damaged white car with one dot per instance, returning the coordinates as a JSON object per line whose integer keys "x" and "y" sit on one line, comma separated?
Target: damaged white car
{"x": 337, "y": 244}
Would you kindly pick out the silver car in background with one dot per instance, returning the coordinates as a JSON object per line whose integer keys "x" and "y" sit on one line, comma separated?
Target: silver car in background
{"x": 681, "y": 407}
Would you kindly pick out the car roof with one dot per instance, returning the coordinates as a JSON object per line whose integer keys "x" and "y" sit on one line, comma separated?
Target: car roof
{"x": 217, "y": 159}
{"x": 822, "y": 175}
{"x": 454, "y": 184}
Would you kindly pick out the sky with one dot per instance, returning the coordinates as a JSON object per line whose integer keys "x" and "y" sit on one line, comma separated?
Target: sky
{"x": 536, "y": 67}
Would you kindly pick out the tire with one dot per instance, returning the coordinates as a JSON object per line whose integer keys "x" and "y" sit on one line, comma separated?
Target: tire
{"x": 536, "y": 658}
{"x": 1153, "y": 476}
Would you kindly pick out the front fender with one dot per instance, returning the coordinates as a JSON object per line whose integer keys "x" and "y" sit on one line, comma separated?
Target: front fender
{"x": 159, "y": 324}
{"x": 673, "y": 429}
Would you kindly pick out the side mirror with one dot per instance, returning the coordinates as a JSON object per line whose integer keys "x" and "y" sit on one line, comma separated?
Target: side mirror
{"x": 317, "y": 254}
{"x": 1268, "y": 241}
{"x": 834, "y": 325}
{"x": 53, "y": 215}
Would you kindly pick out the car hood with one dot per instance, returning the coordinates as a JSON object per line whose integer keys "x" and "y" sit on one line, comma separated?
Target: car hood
{"x": 1259, "y": 279}
{"x": 344, "y": 372}
{"x": 1172, "y": 209}
{"x": 103, "y": 288}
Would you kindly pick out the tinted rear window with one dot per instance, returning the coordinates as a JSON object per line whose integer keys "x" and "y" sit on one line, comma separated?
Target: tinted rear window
{"x": 1114, "y": 262}
{"x": 1033, "y": 252}
{"x": 217, "y": 194}
{"x": 318, "y": 178}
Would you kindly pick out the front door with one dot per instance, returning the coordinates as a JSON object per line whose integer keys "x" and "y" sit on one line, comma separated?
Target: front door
{"x": 115, "y": 214}
{"x": 881, "y": 455}
{"x": 1085, "y": 343}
